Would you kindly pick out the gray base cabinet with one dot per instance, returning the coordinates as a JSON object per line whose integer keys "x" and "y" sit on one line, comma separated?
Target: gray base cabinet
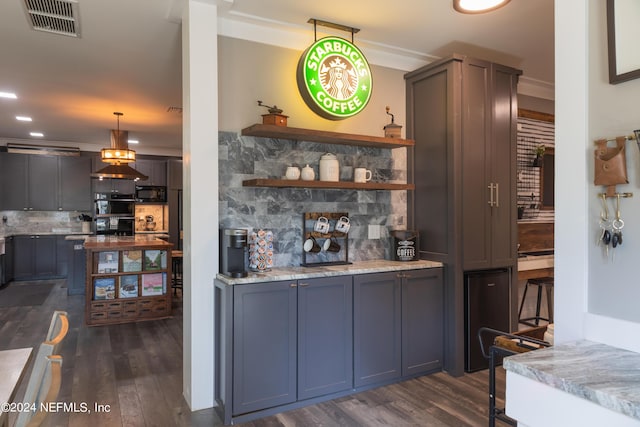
{"x": 264, "y": 346}
{"x": 325, "y": 343}
{"x": 422, "y": 321}
{"x": 34, "y": 257}
{"x": 286, "y": 344}
{"x": 377, "y": 329}
{"x": 291, "y": 341}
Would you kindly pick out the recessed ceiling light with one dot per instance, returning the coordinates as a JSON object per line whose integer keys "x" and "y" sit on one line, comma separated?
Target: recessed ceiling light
{"x": 133, "y": 141}
{"x": 478, "y": 6}
{"x": 9, "y": 95}
{"x": 38, "y": 134}
{"x": 24, "y": 118}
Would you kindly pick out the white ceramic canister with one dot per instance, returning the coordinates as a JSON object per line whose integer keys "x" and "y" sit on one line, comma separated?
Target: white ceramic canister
{"x": 329, "y": 168}
{"x": 308, "y": 174}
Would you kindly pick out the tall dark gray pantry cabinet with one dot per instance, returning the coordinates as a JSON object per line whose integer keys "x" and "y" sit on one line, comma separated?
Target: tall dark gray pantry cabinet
{"x": 462, "y": 114}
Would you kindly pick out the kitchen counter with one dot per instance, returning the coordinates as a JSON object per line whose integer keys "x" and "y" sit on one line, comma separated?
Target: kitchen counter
{"x": 535, "y": 262}
{"x": 116, "y": 242}
{"x": 358, "y": 267}
{"x": 597, "y": 373}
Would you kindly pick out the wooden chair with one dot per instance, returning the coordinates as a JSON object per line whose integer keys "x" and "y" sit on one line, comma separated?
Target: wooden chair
{"x": 46, "y": 381}
{"x": 58, "y": 328}
{"x": 38, "y": 384}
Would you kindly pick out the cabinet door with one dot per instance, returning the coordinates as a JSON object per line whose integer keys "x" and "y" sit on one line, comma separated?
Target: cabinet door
{"x": 8, "y": 259}
{"x": 23, "y": 261}
{"x": 422, "y": 321}
{"x": 504, "y": 227}
{"x": 376, "y": 328}
{"x": 489, "y": 165}
{"x": 14, "y": 181}
{"x": 156, "y": 170}
{"x": 43, "y": 183}
{"x": 75, "y": 184}
{"x": 325, "y": 345}
{"x": 174, "y": 174}
{"x": 476, "y": 165}
{"x": 45, "y": 255}
{"x": 264, "y": 345}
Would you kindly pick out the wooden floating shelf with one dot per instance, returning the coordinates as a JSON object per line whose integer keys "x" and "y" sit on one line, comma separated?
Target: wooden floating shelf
{"x": 348, "y": 185}
{"x": 285, "y": 132}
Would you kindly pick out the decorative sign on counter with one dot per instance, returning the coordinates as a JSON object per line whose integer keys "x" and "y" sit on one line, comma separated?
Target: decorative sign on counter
{"x": 334, "y": 78}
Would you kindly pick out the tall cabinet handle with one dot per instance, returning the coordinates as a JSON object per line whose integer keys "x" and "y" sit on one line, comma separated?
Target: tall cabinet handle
{"x": 497, "y": 187}
{"x": 490, "y": 187}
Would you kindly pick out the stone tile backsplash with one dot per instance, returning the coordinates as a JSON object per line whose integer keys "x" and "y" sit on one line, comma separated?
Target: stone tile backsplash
{"x": 39, "y": 222}
{"x": 281, "y": 209}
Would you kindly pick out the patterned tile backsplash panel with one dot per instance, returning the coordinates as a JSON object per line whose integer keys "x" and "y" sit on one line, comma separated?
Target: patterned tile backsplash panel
{"x": 281, "y": 209}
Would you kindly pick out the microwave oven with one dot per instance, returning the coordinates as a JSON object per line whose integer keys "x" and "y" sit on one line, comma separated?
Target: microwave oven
{"x": 151, "y": 194}
{"x": 114, "y": 204}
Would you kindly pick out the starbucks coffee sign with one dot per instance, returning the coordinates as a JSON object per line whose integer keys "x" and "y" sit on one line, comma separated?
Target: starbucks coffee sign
{"x": 334, "y": 78}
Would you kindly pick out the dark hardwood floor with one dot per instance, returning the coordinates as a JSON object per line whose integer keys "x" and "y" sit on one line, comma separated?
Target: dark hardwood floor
{"x": 136, "y": 369}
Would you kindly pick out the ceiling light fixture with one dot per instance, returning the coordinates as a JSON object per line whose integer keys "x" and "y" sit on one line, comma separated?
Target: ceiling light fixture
{"x": 24, "y": 119}
{"x": 117, "y": 158}
{"x": 8, "y": 95}
{"x": 36, "y": 134}
{"x": 478, "y": 6}
{"x": 119, "y": 151}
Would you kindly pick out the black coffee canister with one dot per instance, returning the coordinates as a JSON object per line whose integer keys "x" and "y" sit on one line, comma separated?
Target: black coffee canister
{"x": 405, "y": 245}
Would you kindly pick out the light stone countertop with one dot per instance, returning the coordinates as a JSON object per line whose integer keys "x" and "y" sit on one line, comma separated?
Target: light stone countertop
{"x": 605, "y": 375}
{"x": 535, "y": 262}
{"x": 358, "y": 267}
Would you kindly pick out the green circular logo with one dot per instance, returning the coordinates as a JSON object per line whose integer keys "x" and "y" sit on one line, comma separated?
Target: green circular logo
{"x": 334, "y": 78}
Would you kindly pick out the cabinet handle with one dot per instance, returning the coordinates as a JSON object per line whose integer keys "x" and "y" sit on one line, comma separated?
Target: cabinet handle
{"x": 490, "y": 187}
{"x": 497, "y": 187}
{"x": 293, "y": 285}
{"x": 304, "y": 285}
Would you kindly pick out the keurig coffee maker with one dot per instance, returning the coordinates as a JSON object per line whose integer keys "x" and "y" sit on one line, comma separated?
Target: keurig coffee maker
{"x": 233, "y": 252}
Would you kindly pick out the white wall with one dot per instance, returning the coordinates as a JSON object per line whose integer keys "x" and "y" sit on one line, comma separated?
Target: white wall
{"x": 200, "y": 181}
{"x": 253, "y": 71}
{"x": 595, "y": 298}
{"x": 613, "y": 111}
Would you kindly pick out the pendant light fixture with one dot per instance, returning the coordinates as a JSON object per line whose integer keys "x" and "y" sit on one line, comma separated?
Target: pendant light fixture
{"x": 119, "y": 151}
{"x": 478, "y": 6}
{"x": 118, "y": 155}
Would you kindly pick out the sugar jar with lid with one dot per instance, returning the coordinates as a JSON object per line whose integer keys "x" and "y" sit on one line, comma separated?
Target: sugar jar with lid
{"x": 329, "y": 168}
{"x": 308, "y": 173}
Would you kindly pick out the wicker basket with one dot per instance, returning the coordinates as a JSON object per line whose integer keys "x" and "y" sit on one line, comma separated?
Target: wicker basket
{"x": 516, "y": 346}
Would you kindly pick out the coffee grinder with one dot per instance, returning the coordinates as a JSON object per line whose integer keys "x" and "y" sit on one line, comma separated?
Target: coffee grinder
{"x": 233, "y": 252}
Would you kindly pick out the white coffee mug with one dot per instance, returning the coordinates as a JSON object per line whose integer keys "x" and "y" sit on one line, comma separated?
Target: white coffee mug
{"x": 361, "y": 175}
{"x": 343, "y": 225}
{"x": 321, "y": 225}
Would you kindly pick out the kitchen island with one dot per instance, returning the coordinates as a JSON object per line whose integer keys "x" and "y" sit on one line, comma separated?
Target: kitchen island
{"x": 128, "y": 279}
{"x": 576, "y": 383}
{"x": 292, "y": 337}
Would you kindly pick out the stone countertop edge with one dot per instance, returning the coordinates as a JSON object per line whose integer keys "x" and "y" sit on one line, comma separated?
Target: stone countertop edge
{"x": 358, "y": 267}
{"x": 605, "y": 375}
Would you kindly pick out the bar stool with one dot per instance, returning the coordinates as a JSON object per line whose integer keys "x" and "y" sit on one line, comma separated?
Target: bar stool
{"x": 540, "y": 282}
{"x": 176, "y": 267}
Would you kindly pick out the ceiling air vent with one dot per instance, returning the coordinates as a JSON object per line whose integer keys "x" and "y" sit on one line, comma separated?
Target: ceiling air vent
{"x": 42, "y": 149}
{"x": 54, "y": 16}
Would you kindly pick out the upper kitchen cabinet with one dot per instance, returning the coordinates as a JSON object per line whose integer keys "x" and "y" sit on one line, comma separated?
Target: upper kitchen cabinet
{"x": 174, "y": 174}
{"x": 462, "y": 113}
{"x": 75, "y": 184}
{"x": 30, "y": 182}
{"x": 108, "y": 185}
{"x": 156, "y": 170}
{"x": 34, "y": 182}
